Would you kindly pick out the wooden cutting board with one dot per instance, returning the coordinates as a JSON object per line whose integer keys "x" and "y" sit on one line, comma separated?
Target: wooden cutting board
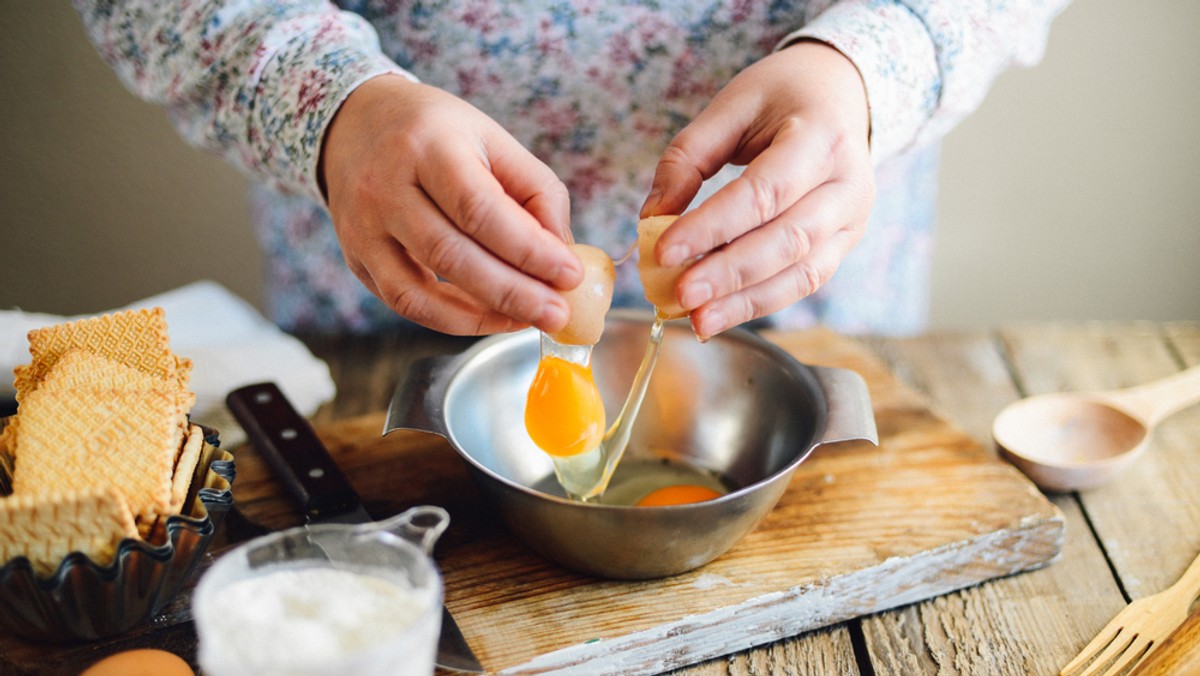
{"x": 860, "y": 529}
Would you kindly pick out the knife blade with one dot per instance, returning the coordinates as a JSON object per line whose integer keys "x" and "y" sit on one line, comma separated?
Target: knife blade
{"x": 317, "y": 484}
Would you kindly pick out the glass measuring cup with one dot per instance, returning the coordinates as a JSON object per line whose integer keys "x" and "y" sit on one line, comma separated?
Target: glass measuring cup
{"x": 327, "y": 599}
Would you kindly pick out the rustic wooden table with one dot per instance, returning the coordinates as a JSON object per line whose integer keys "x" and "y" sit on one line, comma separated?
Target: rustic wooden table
{"x": 1125, "y": 540}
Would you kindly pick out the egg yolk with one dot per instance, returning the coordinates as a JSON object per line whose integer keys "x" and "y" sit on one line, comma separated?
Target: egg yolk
{"x": 140, "y": 662}
{"x": 682, "y": 494}
{"x": 564, "y": 414}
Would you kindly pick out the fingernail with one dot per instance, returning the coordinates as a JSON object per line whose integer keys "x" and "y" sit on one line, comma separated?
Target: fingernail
{"x": 674, "y": 256}
{"x": 713, "y": 319}
{"x": 697, "y": 294}
{"x": 553, "y": 318}
{"x": 651, "y": 203}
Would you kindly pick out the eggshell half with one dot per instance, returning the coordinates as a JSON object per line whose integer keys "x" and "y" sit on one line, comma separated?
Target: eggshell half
{"x": 658, "y": 282}
{"x": 589, "y": 301}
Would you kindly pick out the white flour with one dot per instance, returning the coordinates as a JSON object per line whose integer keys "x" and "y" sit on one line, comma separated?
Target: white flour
{"x": 312, "y": 620}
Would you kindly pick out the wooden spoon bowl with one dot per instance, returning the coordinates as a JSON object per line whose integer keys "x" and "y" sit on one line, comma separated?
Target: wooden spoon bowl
{"x": 1073, "y": 441}
{"x": 1066, "y": 442}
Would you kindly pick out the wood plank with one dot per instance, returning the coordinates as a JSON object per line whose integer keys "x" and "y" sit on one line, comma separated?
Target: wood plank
{"x": 1017, "y": 625}
{"x": 962, "y": 375}
{"x": 824, "y": 651}
{"x": 861, "y": 529}
{"x": 1148, "y": 520}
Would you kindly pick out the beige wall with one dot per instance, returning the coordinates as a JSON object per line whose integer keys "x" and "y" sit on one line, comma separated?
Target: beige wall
{"x": 101, "y": 202}
{"x": 1073, "y": 193}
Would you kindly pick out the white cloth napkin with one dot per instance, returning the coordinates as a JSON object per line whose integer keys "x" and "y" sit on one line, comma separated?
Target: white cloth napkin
{"x": 229, "y": 342}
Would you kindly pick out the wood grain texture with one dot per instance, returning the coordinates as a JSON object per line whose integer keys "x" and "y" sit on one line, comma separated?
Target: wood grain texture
{"x": 1178, "y": 654}
{"x": 861, "y": 529}
{"x": 824, "y": 651}
{"x": 1031, "y": 623}
{"x": 1014, "y": 625}
{"x": 1147, "y": 522}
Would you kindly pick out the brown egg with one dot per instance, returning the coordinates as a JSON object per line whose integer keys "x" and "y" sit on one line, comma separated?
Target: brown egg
{"x": 589, "y": 301}
{"x": 142, "y": 662}
{"x": 658, "y": 282}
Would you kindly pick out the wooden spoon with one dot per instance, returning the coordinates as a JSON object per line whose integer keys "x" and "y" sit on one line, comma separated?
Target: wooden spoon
{"x": 1069, "y": 441}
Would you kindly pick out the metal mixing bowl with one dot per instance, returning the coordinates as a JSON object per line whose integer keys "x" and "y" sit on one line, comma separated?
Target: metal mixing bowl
{"x": 737, "y": 406}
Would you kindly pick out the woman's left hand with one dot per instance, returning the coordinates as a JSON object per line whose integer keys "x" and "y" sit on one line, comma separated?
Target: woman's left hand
{"x": 798, "y": 119}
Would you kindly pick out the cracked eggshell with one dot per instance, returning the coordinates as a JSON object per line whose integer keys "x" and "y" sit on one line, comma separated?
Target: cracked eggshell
{"x": 589, "y": 301}
{"x": 658, "y": 282}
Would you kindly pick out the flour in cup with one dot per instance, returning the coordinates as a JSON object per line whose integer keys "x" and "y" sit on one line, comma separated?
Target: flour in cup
{"x": 318, "y": 620}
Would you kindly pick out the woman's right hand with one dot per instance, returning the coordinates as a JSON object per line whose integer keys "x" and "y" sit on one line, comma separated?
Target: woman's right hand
{"x": 444, "y": 215}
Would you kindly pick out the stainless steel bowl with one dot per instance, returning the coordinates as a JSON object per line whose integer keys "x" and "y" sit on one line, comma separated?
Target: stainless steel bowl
{"x": 737, "y": 406}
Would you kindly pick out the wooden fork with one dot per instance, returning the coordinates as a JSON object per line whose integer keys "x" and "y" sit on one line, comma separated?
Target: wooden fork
{"x": 1138, "y": 629}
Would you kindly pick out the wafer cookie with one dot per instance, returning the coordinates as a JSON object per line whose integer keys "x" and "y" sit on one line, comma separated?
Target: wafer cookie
{"x": 185, "y": 468}
{"x": 8, "y": 435}
{"x": 75, "y": 439}
{"x": 46, "y": 528}
{"x": 183, "y": 370}
{"x": 79, "y": 368}
{"x": 181, "y": 482}
{"x": 136, "y": 338}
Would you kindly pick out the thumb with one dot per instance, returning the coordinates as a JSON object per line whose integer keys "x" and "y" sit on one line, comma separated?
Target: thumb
{"x": 697, "y": 152}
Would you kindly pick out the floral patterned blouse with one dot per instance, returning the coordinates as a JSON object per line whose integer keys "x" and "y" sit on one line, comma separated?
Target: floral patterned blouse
{"x": 594, "y": 89}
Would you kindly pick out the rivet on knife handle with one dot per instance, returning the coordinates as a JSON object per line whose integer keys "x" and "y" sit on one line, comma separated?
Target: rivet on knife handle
{"x": 289, "y": 444}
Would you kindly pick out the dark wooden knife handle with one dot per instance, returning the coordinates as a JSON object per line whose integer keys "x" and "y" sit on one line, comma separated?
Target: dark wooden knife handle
{"x": 293, "y": 449}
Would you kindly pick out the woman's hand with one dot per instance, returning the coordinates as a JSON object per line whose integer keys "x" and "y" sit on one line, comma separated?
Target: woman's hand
{"x": 445, "y": 216}
{"x": 798, "y": 120}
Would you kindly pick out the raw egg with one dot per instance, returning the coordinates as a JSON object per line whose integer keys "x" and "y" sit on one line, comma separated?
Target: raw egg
{"x": 564, "y": 414}
{"x": 658, "y": 282}
{"x": 681, "y": 494}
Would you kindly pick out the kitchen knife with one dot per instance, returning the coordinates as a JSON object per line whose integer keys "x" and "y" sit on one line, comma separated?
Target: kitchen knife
{"x": 313, "y": 479}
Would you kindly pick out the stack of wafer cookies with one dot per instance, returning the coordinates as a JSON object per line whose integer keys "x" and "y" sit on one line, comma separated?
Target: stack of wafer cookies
{"x": 101, "y": 445}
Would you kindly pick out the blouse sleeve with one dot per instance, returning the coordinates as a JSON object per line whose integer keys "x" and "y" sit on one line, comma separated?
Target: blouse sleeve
{"x": 927, "y": 64}
{"x": 256, "y": 82}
